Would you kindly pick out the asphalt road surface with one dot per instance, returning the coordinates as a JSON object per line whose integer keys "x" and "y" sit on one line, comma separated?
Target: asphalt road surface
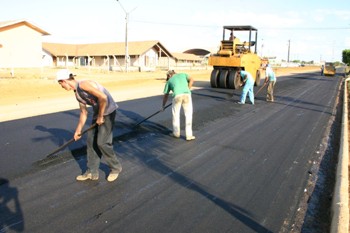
{"x": 247, "y": 170}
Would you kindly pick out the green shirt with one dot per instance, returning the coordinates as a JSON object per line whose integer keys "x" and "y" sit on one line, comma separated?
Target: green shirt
{"x": 178, "y": 84}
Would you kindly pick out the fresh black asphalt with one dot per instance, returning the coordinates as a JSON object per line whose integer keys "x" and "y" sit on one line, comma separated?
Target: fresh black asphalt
{"x": 247, "y": 170}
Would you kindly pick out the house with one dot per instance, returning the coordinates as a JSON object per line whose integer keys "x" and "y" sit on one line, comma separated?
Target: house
{"x": 202, "y": 53}
{"x": 20, "y": 44}
{"x": 185, "y": 60}
{"x": 143, "y": 55}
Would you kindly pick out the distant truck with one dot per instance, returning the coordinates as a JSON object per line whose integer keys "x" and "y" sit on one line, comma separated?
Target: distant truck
{"x": 234, "y": 54}
{"x": 328, "y": 69}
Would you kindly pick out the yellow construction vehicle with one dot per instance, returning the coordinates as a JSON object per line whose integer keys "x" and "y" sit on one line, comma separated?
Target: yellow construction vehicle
{"x": 329, "y": 69}
{"x": 234, "y": 54}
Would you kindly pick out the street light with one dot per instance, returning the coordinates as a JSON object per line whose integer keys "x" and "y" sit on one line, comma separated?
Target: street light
{"x": 127, "y": 59}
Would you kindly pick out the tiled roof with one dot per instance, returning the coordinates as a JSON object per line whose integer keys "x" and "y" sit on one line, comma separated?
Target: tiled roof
{"x": 103, "y": 49}
{"x": 12, "y": 23}
{"x": 57, "y": 49}
{"x": 186, "y": 56}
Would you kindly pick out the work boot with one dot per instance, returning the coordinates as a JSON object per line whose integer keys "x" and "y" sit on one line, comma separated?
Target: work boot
{"x": 190, "y": 138}
{"x": 112, "y": 176}
{"x": 87, "y": 176}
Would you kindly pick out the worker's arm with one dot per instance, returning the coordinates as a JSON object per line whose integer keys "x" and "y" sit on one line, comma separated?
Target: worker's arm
{"x": 82, "y": 120}
{"x": 241, "y": 77}
{"x": 165, "y": 99}
{"x": 267, "y": 71}
{"x": 266, "y": 79}
{"x": 244, "y": 79}
{"x": 190, "y": 82}
{"x": 101, "y": 98}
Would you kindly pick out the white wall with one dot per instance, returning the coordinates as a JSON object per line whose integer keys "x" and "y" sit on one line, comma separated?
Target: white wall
{"x": 21, "y": 47}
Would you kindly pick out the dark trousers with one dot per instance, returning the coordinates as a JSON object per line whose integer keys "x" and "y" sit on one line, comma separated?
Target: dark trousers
{"x": 100, "y": 143}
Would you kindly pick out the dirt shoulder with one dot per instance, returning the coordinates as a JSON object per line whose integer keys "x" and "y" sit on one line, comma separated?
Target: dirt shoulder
{"x": 35, "y": 92}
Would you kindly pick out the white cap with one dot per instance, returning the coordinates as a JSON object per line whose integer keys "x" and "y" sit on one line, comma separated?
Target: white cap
{"x": 64, "y": 75}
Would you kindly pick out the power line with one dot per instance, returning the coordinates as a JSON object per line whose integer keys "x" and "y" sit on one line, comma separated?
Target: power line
{"x": 176, "y": 24}
{"x": 304, "y": 28}
{"x": 259, "y": 28}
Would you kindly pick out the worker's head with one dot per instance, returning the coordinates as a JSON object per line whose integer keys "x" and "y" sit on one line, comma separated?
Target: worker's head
{"x": 63, "y": 77}
{"x": 239, "y": 69}
{"x": 169, "y": 74}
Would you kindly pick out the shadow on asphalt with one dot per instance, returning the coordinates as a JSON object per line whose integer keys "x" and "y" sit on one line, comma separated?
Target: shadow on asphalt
{"x": 11, "y": 215}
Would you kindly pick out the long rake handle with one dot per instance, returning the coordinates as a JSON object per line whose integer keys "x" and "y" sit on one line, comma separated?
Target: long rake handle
{"x": 261, "y": 88}
{"x": 151, "y": 116}
{"x": 70, "y": 141}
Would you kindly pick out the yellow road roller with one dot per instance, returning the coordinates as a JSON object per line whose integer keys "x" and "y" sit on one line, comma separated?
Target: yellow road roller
{"x": 235, "y": 53}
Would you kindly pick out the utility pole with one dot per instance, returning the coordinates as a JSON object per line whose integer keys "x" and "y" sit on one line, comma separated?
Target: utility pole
{"x": 127, "y": 58}
{"x": 288, "y": 50}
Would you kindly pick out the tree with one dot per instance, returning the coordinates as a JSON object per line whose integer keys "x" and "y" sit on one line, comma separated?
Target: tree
{"x": 346, "y": 56}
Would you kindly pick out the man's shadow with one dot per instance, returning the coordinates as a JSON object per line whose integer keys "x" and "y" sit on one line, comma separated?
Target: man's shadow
{"x": 56, "y": 135}
{"x": 61, "y": 137}
{"x": 11, "y": 216}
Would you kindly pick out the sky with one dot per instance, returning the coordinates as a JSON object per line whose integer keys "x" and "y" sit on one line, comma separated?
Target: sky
{"x": 311, "y": 30}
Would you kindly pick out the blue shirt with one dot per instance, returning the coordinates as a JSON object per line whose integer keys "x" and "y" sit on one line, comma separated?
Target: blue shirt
{"x": 248, "y": 76}
{"x": 270, "y": 74}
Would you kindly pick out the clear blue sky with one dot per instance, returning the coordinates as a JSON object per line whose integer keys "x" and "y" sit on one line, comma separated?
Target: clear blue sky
{"x": 317, "y": 30}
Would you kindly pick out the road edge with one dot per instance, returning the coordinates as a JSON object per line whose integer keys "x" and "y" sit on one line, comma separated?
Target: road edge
{"x": 340, "y": 203}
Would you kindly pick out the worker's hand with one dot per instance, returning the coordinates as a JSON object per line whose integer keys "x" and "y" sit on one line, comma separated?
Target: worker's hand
{"x": 100, "y": 120}
{"x": 77, "y": 136}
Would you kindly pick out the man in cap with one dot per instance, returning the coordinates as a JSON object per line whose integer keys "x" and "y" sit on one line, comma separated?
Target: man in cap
{"x": 180, "y": 85}
{"x": 100, "y": 138}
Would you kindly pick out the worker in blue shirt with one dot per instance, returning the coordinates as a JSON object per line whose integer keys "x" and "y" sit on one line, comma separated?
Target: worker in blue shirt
{"x": 248, "y": 88}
